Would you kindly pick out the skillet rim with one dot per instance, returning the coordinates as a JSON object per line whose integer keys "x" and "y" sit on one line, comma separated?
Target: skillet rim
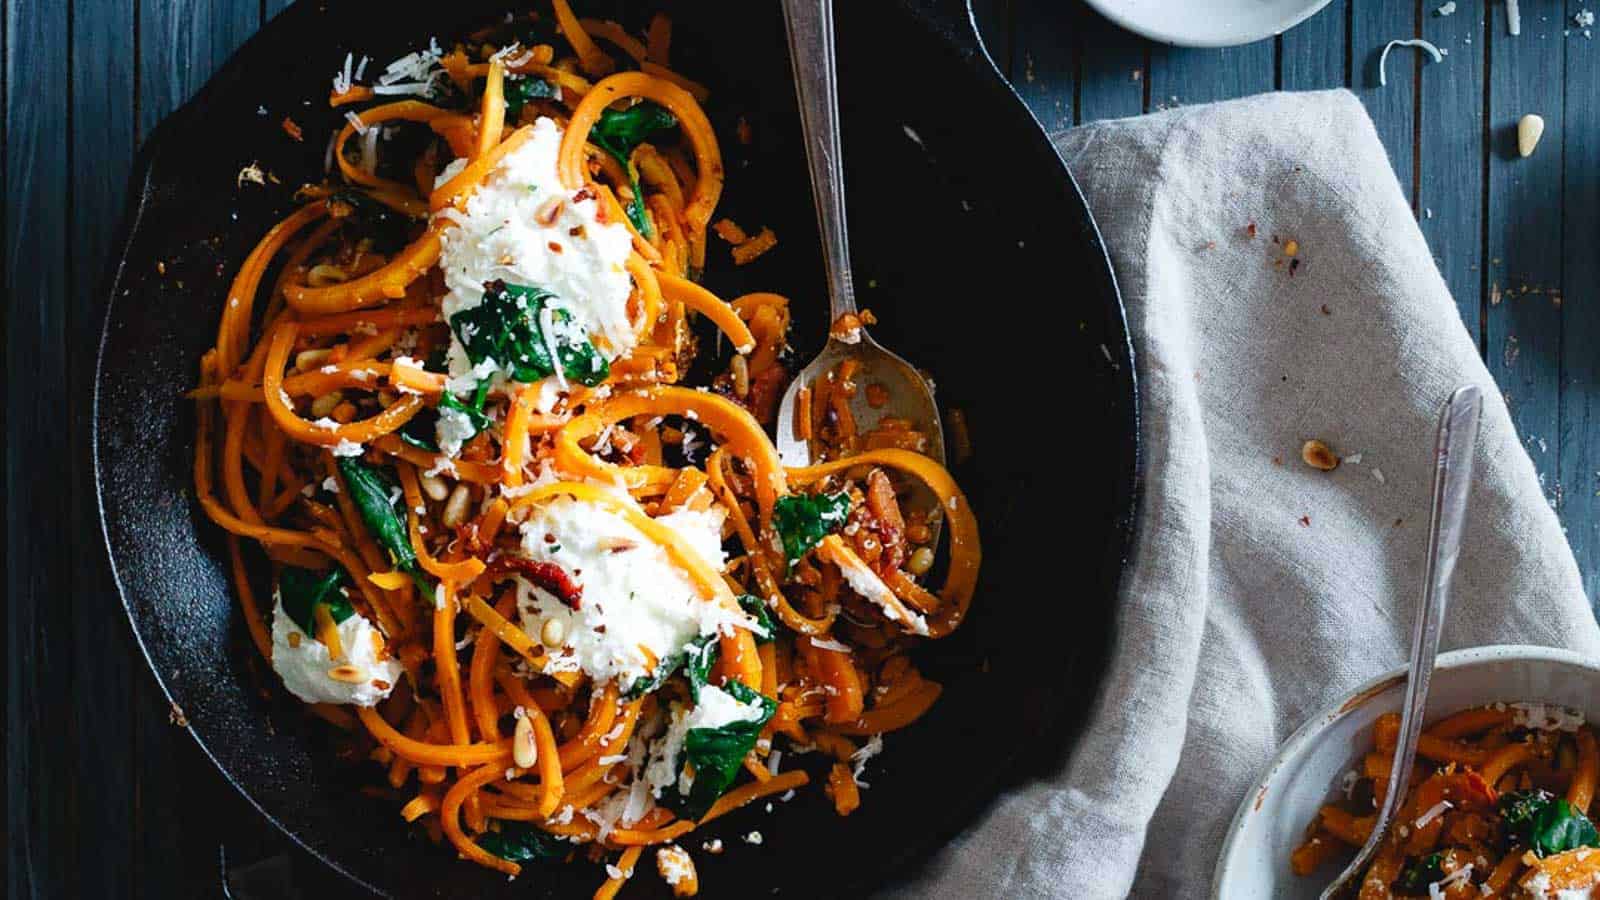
{"x": 952, "y": 23}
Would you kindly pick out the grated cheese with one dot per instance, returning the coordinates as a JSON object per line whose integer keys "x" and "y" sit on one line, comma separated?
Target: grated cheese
{"x": 1434, "y": 812}
{"x": 859, "y": 759}
{"x": 1419, "y": 43}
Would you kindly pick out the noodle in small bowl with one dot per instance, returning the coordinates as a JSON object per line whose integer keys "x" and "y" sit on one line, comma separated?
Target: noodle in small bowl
{"x": 1281, "y": 813}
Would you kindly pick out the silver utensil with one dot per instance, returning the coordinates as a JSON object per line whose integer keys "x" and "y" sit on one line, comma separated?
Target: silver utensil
{"x": 1452, "y": 477}
{"x": 904, "y": 392}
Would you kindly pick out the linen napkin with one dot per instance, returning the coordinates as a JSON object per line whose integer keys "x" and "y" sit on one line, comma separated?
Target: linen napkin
{"x": 1278, "y": 290}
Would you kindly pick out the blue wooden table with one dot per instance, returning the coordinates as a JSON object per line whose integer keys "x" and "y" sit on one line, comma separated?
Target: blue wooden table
{"x": 107, "y": 798}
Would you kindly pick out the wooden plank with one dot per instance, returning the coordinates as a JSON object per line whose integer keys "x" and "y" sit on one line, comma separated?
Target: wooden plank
{"x": 1452, "y": 151}
{"x": 101, "y": 118}
{"x": 1314, "y": 55}
{"x": 181, "y": 42}
{"x": 1523, "y": 321}
{"x": 42, "y": 838}
{"x": 1183, "y": 75}
{"x": 1046, "y": 68}
{"x": 1579, "y": 464}
{"x": 1393, "y": 107}
{"x": 1113, "y": 70}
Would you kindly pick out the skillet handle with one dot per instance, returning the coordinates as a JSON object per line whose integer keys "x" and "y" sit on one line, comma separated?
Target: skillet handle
{"x": 952, "y": 21}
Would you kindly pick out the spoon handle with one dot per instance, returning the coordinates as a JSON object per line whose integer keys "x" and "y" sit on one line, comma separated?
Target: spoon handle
{"x": 810, "y": 28}
{"x": 1452, "y": 479}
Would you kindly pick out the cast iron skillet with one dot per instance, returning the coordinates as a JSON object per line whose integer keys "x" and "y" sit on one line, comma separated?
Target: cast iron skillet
{"x": 979, "y": 257}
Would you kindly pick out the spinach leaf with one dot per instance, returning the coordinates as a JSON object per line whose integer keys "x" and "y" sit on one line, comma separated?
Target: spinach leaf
{"x": 519, "y": 91}
{"x": 388, "y": 229}
{"x": 374, "y": 491}
{"x": 618, "y": 132}
{"x": 521, "y": 842}
{"x": 717, "y": 754}
{"x": 1545, "y": 823}
{"x": 475, "y": 414}
{"x": 1421, "y": 872}
{"x": 301, "y": 590}
{"x": 696, "y": 658}
{"x": 506, "y": 327}
{"x": 803, "y": 520}
{"x": 756, "y": 608}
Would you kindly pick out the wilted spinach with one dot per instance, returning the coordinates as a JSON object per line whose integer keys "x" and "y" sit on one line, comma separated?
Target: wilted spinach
{"x": 374, "y": 493}
{"x": 803, "y": 520}
{"x": 618, "y": 132}
{"x": 301, "y": 591}
{"x": 521, "y": 842}
{"x": 507, "y": 327}
{"x": 1545, "y": 823}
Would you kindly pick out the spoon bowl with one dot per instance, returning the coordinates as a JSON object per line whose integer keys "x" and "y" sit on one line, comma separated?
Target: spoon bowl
{"x": 886, "y": 386}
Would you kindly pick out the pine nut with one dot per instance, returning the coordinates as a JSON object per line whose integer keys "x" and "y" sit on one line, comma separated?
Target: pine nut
{"x": 917, "y": 533}
{"x": 1318, "y": 455}
{"x": 920, "y": 561}
{"x": 552, "y": 633}
{"x": 324, "y": 405}
{"x": 306, "y": 360}
{"x": 455, "y": 509}
{"x": 325, "y": 274}
{"x": 434, "y": 487}
{"x": 741, "y": 377}
{"x": 524, "y": 751}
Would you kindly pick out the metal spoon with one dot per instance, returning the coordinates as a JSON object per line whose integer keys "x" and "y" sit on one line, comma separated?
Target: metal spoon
{"x": 906, "y": 394}
{"x": 1452, "y": 476}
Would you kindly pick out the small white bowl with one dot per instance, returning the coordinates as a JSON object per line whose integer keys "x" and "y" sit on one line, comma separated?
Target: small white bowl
{"x": 1208, "y": 23}
{"x": 1307, "y": 771}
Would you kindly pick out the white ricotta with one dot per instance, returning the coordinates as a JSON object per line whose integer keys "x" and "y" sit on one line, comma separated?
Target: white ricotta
{"x": 635, "y": 599}
{"x": 510, "y": 229}
{"x": 303, "y": 662}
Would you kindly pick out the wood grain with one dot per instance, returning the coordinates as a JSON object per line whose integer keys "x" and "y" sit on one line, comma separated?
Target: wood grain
{"x": 42, "y": 838}
{"x": 1523, "y": 323}
{"x": 1578, "y": 469}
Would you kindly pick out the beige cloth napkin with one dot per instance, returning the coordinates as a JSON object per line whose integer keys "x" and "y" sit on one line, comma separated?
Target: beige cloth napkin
{"x": 1263, "y": 589}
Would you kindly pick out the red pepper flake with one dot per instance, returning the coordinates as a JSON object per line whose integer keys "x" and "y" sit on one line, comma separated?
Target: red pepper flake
{"x": 554, "y": 247}
{"x": 292, "y": 129}
{"x": 1326, "y": 311}
{"x": 1250, "y": 229}
{"x": 1277, "y": 460}
{"x": 546, "y": 575}
{"x": 1306, "y": 521}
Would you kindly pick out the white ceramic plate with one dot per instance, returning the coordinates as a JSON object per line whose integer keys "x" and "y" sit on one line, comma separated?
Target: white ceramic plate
{"x": 1208, "y": 23}
{"x": 1308, "y": 768}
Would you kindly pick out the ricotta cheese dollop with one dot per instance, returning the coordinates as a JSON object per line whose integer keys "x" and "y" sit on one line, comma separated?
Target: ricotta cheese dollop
{"x": 634, "y": 597}
{"x": 524, "y": 227}
{"x": 303, "y": 662}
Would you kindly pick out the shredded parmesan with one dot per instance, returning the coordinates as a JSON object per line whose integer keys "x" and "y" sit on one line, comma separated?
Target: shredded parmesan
{"x": 1434, "y": 812}
{"x": 1419, "y": 43}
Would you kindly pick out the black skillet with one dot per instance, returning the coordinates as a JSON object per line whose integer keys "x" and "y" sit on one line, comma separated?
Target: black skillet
{"x": 981, "y": 261}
